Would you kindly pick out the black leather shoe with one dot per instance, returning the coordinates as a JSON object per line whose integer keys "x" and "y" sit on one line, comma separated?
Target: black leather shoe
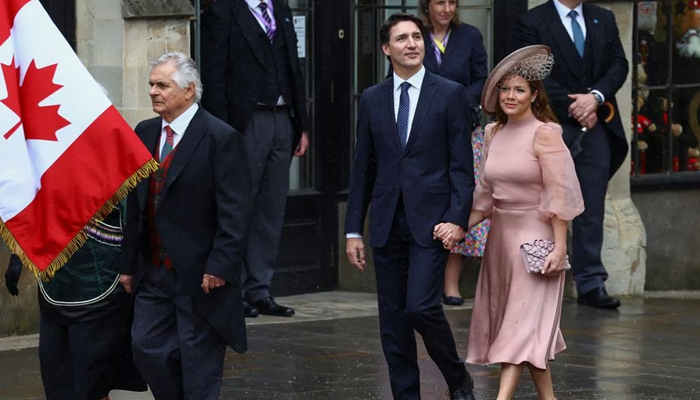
{"x": 250, "y": 311}
{"x": 465, "y": 392}
{"x": 452, "y": 300}
{"x": 599, "y": 298}
{"x": 268, "y": 306}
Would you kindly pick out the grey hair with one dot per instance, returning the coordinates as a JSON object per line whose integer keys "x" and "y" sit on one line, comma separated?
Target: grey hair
{"x": 185, "y": 71}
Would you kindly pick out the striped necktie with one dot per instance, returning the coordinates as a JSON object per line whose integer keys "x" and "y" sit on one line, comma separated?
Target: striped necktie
{"x": 168, "y": 146}
{"x": 268, "y": 21}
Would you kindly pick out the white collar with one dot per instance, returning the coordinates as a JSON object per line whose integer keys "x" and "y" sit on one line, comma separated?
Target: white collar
{"x": 254, "y": 4}
{"x": 564, "y": 10}
{"x": 180, "y": 124}
{"x": 416, "y": 80}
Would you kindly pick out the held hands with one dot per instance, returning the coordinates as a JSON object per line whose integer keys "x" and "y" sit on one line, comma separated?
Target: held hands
{"x": 211, "y": 282}
{"x": 355, "y": 250}
{"x": 584, "y": 109}
{"x": 555, "y": 262}
{"x": 449, "y": 233}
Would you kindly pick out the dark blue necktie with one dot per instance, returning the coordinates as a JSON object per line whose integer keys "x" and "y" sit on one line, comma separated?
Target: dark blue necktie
{"x": 402, "y": 117}
{"x": 579, "y": 41}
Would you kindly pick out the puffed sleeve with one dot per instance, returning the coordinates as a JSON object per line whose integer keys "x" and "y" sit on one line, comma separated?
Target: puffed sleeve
{"x": 562, "y": 191}
{"x": 483, "y": 193}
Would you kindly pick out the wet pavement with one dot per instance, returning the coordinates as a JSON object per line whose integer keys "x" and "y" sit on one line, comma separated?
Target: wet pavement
{"x": 648, "y": 349}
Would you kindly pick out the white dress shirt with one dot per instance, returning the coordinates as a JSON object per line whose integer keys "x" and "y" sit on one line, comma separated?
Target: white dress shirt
{"x": 416, "y": 82}
{"x": 564, "y": 15}
{"x": 413, "y": 94}
{"x": 179, "y": 126}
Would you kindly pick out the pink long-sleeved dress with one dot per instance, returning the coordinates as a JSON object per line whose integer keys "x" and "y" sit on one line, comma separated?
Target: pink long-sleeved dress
{"x": 527, "y": 176}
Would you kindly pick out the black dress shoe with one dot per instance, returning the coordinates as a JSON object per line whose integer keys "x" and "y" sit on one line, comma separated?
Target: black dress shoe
{"x": 465, "y": 392}
{"x": 452, "y": 300}
{"x": 599, "y": 298}
{"x": 250, "y": 311}
{"x": 268, "y": 306}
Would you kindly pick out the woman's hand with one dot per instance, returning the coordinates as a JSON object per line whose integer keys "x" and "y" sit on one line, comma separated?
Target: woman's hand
{"x": 555, "y": 263}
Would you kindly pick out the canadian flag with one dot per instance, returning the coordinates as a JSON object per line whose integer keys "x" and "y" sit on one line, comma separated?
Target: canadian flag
{"x": 66, "y": 154}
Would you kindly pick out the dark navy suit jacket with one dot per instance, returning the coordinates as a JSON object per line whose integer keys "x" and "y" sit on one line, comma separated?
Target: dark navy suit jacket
{"x": 464, "y": 60}
{"x": 542, "y": 25}
{"x": 434, "y": 172}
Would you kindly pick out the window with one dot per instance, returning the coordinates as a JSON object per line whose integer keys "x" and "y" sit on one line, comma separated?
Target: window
{"x": 666, "y": 91}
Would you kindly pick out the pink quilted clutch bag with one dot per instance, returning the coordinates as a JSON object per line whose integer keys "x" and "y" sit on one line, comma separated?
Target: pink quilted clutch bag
{"x": 535, "y": 252}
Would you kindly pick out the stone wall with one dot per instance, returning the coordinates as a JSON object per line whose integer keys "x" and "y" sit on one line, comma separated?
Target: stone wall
{"x": 117, "y": 50}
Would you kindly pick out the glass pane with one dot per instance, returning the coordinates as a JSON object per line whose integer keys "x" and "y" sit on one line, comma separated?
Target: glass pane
{"x": 668, "y": 52}
{"x": 301, "y": 169}
{"x": 653, "y": 131}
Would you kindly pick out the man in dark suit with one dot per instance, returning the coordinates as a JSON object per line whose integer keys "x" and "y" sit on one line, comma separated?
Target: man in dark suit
{"x": 185, "y": 239}
{"x": 413, "y": 161}
{"x": 590, "y": 67}
{"x": 250, "y": 68}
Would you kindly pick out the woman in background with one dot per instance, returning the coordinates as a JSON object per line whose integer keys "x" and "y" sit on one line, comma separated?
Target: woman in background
{"x": 455, "y": 51}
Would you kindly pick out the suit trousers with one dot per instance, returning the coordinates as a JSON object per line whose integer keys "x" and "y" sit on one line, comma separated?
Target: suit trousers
{"x": 178, "y": 353}
{"x": 268, "y": 139}
{"x": 409, "y": 290}
{"x": 592, "y": 169}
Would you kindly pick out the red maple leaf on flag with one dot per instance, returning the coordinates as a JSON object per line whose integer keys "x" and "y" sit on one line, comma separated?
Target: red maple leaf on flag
{"x": 11, "y": 75}
{"x": 40, "y": 122}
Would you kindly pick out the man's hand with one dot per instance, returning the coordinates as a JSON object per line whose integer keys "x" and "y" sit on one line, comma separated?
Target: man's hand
{"x": 590, "y": 121}
{"x": 450, "y": 234}
{"x": 126, "y": 281}
{"x": 211, "y": 282}
{"x": 583, "y": 107}
{"x": 355, "y": 250}
{"x": 302, "y": 146}
{"x": 14, "y": 270}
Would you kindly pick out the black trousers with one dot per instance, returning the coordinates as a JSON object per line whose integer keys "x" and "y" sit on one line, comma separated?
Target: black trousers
{"x": 409, "y": 289}
{"x": 268, "y": 139}
{"x": 592, "y": 169}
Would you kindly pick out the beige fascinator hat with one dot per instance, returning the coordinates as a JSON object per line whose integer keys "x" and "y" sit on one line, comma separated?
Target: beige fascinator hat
{"x": 532, "y": 63}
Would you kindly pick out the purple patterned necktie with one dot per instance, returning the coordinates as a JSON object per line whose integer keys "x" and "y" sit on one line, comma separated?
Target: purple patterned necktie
{"x": 268, "y": 21}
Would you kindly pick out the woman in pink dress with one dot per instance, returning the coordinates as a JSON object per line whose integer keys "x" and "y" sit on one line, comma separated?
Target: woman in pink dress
{"x": 529, "y": 190}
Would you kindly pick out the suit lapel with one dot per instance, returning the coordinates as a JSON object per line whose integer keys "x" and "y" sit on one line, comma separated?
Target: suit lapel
{"x": 595, "y": 35}
{"x": 387, "y": 108}
{"x": 150, "y": 140}
{"x": 425, "y": 100}
{"x": 562, "y": 39}
{"x": 252, "y": 32}
{"x": 185, "y": 148}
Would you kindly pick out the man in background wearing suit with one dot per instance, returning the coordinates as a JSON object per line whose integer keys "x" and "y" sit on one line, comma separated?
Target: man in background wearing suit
{"x": 590, "y": 67}
{"x": 250, "y": 68}
{"x": 185, "y": 239}
{"x": 413, "y": 161}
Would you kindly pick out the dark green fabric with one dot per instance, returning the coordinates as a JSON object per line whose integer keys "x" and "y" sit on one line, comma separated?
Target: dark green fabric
{"x": 90, "y": 272}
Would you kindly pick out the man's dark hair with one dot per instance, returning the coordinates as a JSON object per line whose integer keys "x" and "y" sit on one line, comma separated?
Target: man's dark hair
{"x": 385, "y": 31}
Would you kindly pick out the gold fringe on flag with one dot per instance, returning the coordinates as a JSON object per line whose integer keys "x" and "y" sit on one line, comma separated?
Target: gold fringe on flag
{"x": 79, "y": 240}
